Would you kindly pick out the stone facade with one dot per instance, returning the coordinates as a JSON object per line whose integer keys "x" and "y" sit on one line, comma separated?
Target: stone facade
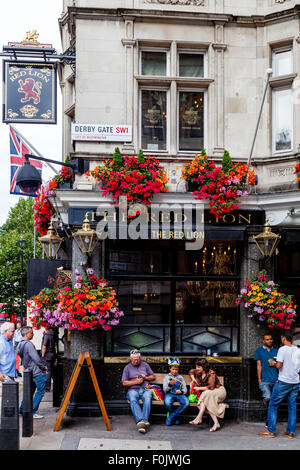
{"x": 238, "y": 40}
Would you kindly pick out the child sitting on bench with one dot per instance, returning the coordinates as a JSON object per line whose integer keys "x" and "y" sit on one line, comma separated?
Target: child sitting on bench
{"x": 175, "y": 390}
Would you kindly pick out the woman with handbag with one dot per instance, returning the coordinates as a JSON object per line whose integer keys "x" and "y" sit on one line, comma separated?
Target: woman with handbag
{"x": 212, "y": 393}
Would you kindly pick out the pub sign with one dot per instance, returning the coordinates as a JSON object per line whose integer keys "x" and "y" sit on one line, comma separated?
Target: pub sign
{"x": 29, "y": 92}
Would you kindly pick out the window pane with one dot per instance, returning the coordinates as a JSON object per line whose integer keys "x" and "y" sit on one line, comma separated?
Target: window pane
{"x": 151, "y": 339}
{"x": 191, "y": 65}
{"x": 191, "y": 120}
{"x": 154, "y": 120}
{"x": 206, "y": 302}
{"x": 283, "y": 119}
{"x": 215, "y": 259}
{"x": 283, "y": 63}
{"x": 138, "y": 257}
{"x": 154, "y": 63}
{"x": 143, "y": 302}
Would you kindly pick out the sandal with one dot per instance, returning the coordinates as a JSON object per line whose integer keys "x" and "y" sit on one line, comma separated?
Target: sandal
{"x": 195, "y": 423}
{"x": 215, "y": 428}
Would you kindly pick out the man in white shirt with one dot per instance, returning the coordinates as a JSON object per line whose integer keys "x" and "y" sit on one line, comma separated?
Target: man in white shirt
{"x": 287, "y": 386}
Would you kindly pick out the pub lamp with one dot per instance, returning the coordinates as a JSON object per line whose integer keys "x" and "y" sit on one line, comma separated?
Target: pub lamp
{"x": 29, "y": 179}
{"x": 51, "y": 243}
{"x": 267, "y": 241}
{"x": 86, "y": 238}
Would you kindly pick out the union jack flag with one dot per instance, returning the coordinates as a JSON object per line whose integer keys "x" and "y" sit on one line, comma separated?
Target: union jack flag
{"x": 18, "y": 148}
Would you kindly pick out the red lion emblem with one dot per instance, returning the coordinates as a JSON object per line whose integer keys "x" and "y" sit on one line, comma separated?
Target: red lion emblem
{"x": 31, "y": 89}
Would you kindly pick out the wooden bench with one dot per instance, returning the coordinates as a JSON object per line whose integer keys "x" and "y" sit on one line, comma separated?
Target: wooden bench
{"x": 159, "y": 378}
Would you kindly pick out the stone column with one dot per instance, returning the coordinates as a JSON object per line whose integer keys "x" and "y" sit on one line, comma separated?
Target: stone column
{"x": 219, "y": 49}
{"x": 129, "y": 43}
{"x": 251, "y": 334}
{"x": 83, "y": 401}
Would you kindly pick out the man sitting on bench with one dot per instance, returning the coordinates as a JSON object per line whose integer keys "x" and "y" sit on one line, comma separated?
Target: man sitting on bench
{"x": 136, "y": 376}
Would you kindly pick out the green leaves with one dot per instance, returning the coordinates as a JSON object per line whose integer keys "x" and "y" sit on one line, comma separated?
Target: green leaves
{"x": 19, "y": 221}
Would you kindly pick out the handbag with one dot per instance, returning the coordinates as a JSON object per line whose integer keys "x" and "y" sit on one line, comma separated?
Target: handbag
{"x": 156, "y": 391}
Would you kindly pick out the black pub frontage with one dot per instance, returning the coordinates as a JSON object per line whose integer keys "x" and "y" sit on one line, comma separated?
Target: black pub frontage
{"x": 177, "y": 302}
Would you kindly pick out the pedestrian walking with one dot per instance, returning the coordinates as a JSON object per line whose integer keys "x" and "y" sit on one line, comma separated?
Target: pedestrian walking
{"x": 136, "y": 376}
{"x": 267, "y": 375}
{"x": 48, "y": 353}
{"x": 7, "y": 352}
{"x": 287, "y": 386}
{"x": 32, "y": 361}
{"x": 16, "y": 340}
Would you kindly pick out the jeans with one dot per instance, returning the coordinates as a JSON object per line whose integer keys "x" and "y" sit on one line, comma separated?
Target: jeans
{"x": 266, "y": 390}
{"x": 280, "y": 391}
{"x": 134, "y": 395}
{"x": 39, "y": 387}
{"x": 181, "y": 399}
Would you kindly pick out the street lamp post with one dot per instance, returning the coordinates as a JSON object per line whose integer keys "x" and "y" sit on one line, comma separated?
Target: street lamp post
{"x": 22, "y": 242}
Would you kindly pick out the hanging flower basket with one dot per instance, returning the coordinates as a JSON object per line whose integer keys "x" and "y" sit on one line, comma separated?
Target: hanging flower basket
{"x": 223, "y": 187}
{"x": 264, "y": 302}
{"x": 43, "y": 209}
{"x": 137, "y": 178}
{"x": 89, "y": 304}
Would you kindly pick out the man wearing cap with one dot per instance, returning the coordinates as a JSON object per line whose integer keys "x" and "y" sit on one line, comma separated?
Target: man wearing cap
{"x": 136, "y": 376}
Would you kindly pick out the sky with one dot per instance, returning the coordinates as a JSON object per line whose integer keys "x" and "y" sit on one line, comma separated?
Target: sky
{"x": 16, "y": 19}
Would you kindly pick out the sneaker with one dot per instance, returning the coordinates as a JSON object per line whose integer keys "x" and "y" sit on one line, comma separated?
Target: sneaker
{"x": 37, "y": 416}
{"x": 169, "y": 419}
{"x": 177, "y": 421}
{"x": 141, "y": 427}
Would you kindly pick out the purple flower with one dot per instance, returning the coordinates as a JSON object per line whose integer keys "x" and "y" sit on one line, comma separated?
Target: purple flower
{"x": 268, "y": 290}
{"x": 244, "y": 291}
{"x": 90, "y": 271}
{"x": 77, "y": 285}
{"x": 271, "y": 283}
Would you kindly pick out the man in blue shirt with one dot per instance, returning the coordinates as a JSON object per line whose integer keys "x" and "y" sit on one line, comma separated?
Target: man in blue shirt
{"x": 7, "y": 353}
{"x": 267, "y": 375}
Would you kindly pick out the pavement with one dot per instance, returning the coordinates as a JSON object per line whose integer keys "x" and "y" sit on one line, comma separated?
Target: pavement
{"x": 90, "y": 433}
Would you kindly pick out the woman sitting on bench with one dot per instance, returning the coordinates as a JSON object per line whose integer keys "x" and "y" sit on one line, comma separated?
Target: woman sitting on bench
{"x": 211, "y": 393}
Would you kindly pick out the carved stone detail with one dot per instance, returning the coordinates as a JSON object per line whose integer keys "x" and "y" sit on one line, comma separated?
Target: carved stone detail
{"x": 178, "y": 2}
{"x": 280, "y": 1}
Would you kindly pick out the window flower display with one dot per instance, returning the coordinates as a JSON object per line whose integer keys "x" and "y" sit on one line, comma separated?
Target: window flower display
{"x": 223, "y": 187}
{"x": 137, "y": 178}
{"x": 264, "y": 301}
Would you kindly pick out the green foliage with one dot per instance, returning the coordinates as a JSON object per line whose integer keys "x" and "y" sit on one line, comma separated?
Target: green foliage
{"x": 19, "y": 221}
{"x": 203, "y": 152}
{"x": 141, "y": 156}
{"x": 117, "y": 159}
{"x": 226, "y": 162}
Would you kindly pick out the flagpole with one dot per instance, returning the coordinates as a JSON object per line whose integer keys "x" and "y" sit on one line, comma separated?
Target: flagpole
{"x": 32, "y": 147}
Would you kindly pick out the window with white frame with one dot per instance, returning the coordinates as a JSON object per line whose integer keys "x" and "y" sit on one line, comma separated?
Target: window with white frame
{"x": 191, "y": 117}
{"x": 282, "y": 100}
{"x": 282, "y": 120}
{"x": 282, "y": 61}
{"x": 154, "y": 119}
{"x": 159, "y": 106}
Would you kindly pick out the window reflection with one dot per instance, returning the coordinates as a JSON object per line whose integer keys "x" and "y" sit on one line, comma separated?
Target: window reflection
{"x": 143, "y": 301}
{"x": 206, "y": 302}
{"x": 216, "y": 258}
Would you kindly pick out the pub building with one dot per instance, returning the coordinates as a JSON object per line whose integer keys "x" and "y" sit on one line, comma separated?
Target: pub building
{"x": 180, "y": 76}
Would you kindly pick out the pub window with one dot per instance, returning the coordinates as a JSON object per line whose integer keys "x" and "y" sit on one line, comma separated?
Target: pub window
{"x": 191, "y": 64}
{"x": 282, "y": 119}
{"x": 191, "y": 120}
{"x": 168, "y": 309}
{"x": 154, "y": 63}
{"x": 154, "y": 119}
